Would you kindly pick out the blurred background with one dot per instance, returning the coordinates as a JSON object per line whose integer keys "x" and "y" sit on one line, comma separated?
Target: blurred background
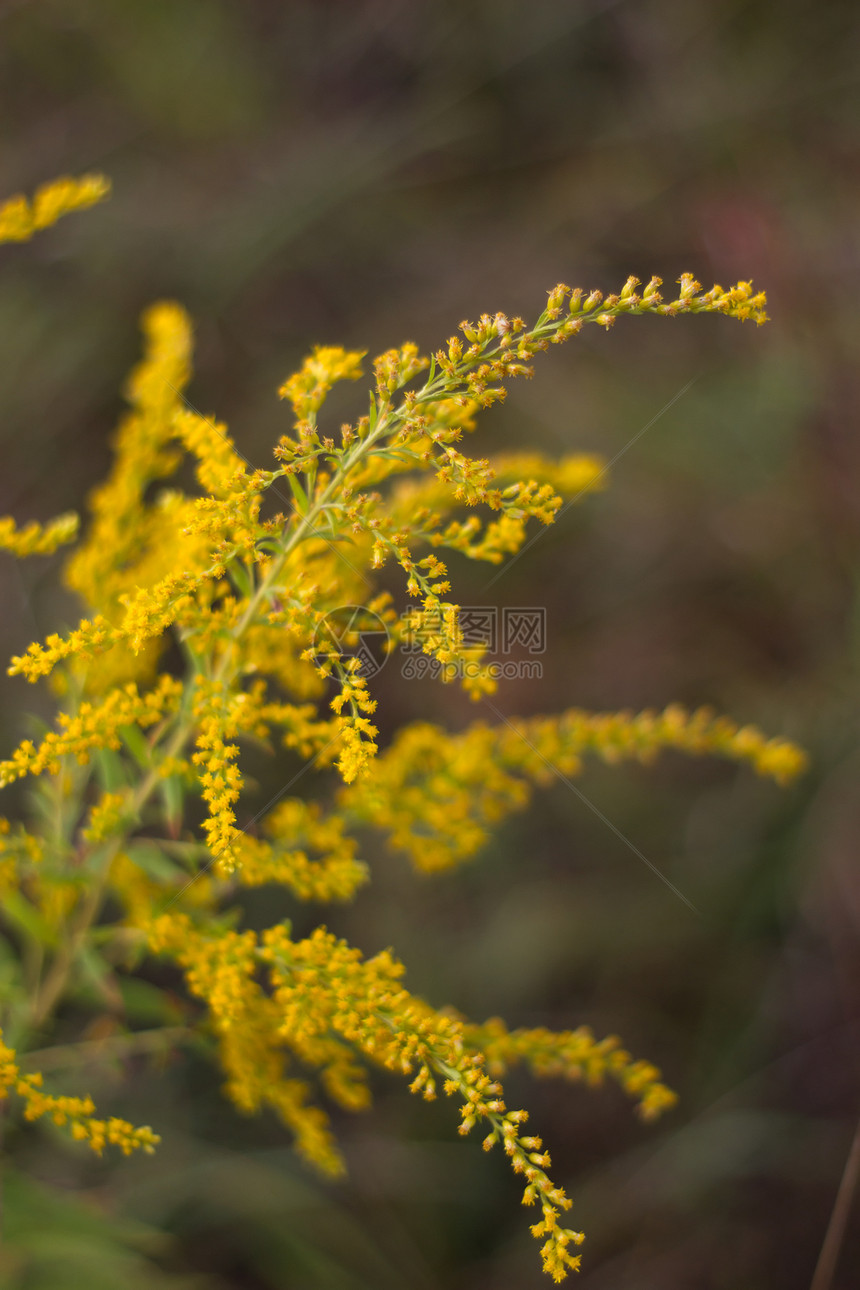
{"x": 363, "y": 172}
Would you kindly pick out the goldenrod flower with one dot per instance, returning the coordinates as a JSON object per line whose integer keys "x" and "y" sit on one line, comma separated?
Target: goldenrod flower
{"x": 37, "y": 539}
{"x": 20, "y": 219}
{"x": 76, "y": 1113}
{"x": 244, "y": 601}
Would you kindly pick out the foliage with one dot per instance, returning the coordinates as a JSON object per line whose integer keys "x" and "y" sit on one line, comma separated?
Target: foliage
{"x": 135, "y": 849}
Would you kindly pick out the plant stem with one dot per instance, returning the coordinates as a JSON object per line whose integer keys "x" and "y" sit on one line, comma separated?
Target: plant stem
{"x": 825, "y": 1268}
{"x": 56, "y": 979}
{"x": 141, "y": 1041}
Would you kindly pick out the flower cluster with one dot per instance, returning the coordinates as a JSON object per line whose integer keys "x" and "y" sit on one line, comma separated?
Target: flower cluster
{"x": 211, "y": 621}
{"x": 310, "y": 853}
{"x": 324, "y": 987}
{"x": 20, "y": 219}
{"x": 37, "y": 539}
{"x": 94, "y": 725}
{"x": 74, "y": 1112}
{"x": 307, "y": 388}
{"x": 572, "y": 1055}
{"x": 438, "y": 795}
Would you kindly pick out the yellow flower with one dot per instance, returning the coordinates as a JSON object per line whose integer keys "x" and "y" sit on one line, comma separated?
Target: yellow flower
{"x": 37, "y": 539}
{"x": 20, "y": 219}
{"x": 92, "y": 726}
{"x": 438, "y": 795}
{"x": 240, "y": 596}
{"x": 74, "y": 1112}
{"x": 326, "y": 365}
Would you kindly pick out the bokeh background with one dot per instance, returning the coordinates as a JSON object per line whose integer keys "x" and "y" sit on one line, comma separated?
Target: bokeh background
{"x": 366, "y": 171}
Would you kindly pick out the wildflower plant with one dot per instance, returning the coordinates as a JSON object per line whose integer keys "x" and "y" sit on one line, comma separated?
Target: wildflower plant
{"x": 111, "y": 869}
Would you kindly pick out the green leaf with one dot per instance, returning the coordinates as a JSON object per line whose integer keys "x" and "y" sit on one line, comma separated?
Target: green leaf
{"x": 111, "y": 770}
{"x": 20, "y": 912}
{"x": 299, "y": 494}
{"x": 54, "y": 1241}
{"x": 173, "y": 796}
{"x": 151, "y": 858}
{"x": 133, "y": 738}
{"x": 147, "y": 1004}
{"x": 241, "y": 577}
{"x": 93, "y": 968}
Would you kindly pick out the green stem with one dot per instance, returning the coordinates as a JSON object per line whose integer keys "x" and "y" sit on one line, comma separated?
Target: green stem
{"x": 56, "y": 979}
